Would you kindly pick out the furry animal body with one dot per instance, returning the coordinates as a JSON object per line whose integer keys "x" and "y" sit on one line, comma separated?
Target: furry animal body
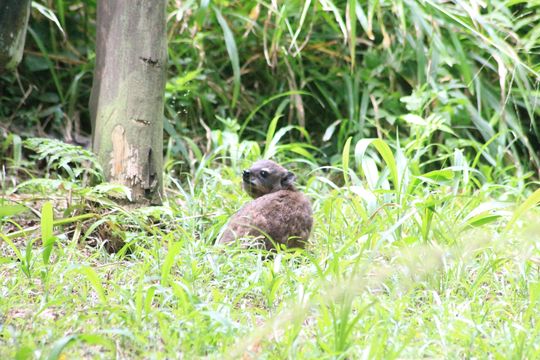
{"x": 278, "y": 215}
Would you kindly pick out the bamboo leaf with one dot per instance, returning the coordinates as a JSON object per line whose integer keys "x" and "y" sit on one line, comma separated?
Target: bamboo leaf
{"x": 232, "y": 50}
{"x": 11, "y": 210}
{"x": 47, "y": 235}
{"x": 300, "y": 24}
{"x": 93, "y": 277}
{"x": 345, "y": 160}
{"x": 351, "y": 28}
{"x": 528, "y": 204}
{"x": 13, "y": 247}
{"x": 174, "y": 249}
{"x": 328, "y": 5}
{"x": 269, "y": 135}
{"x": 90, "y": 339}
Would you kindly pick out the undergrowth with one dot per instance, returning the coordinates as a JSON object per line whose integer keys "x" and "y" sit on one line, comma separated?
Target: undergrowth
{"x": 411, "y": 126}
{"x": 404, "y": 262}
{"x": 336, "y": 69}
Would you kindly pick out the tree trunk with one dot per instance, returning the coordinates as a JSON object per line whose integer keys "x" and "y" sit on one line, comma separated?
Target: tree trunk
{"x": 126, "y": 104}
{"x": 13, "y": 23}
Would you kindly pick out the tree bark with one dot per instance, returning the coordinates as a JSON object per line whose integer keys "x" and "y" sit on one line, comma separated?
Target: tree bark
{"x": 126, "y": 104}
{"x": 13, "y": 23}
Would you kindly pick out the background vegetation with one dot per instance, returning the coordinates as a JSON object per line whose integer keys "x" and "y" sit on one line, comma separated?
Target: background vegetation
{"x": 412, "y": 127}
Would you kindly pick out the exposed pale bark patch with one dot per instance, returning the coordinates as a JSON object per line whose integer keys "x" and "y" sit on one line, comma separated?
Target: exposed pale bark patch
{"x": 125, "y": 162}
{"x": 119, "y": 151}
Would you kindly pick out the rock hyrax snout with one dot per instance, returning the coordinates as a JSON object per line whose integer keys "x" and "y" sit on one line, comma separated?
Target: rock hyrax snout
{"x": 279, "y": 213}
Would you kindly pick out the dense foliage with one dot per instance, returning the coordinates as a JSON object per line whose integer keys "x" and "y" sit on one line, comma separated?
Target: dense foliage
{"x": 453, "y": 74}
{"x": 411, "y": 126}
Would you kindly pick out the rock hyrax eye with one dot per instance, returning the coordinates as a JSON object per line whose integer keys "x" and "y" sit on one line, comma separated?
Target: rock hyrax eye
{"x": 264, "y": 173}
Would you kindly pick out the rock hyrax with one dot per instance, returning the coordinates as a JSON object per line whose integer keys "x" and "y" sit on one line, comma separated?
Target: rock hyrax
{"x": 278, "y": 212}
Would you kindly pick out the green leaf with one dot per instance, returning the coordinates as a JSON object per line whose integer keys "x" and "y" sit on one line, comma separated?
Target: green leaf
{"x": 301, "y": 150}
{"x": 180, "y": 83}
{"x": 174, "y": 249}
{"x": 16, "y": 144}
{"x": 351, "y": 27}
{"x": 91, "y": 339}
{"x": 384, "y": 151}
{"x": 362, "y": 19}
{"x": 414, "y": 119}
{"x": 47, "y": 235}
{"x": 272, "y": 148}
{"x": 345, "y": 159}
{"x": 24, "y": 353}
{"x": 49, "y": 14}
{"x": 270, "y": 134}
{"x": 148, "y": 299}
{"x": 11, "y": 210}
{"x": 111, "y": 189}
{"x": 300, "y": 24}
{"x": 35, "y": 63}
{"x": 438, "y": 175}
{"x": 388, "y": 158}
{"x": 328, "y": 4}
{"x": 528, "y": 204}
{"x": 13, "y": 247}
{"x": 93, "y": 277}
{"x": 534, "y": 292}
{"x": 483, "y": 219}
{"x": 230, "y": 44}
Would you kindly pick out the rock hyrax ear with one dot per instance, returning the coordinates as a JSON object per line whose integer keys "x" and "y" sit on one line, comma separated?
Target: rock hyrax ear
{"x": 287, "y": 182}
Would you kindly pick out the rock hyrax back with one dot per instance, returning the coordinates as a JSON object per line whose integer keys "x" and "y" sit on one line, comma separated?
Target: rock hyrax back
{"x": 278, "y": 211}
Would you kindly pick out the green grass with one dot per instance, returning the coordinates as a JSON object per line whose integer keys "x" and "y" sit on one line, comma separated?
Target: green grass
{"x": 410, "y": 124}
{"x": 428, "y": 270}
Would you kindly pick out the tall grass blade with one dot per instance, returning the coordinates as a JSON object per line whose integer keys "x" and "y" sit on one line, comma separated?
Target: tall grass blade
{"x": 232, "y": 50}
{"x": 351, "y": 28}
{"x": 91, "y": 339}
{"x": 329, "y": 5}
{"x": 385, "y": 152}
{"x": 49, "y": 14}
{"x": 528, "y": 204}
{"x": 345, "y": 160}
{"x": 15, "y": 249}
{"x": 300, "y": 25}
{"x": 270, "y": 134}
{"x": 93, "y": 277}
{"x": 47, "y": 235}
{"x": 174, "y": 249}
{"x": 11, "y": 210}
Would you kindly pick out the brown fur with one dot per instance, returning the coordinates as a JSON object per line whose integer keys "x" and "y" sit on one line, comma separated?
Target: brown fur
{"x": 278, "y": 212}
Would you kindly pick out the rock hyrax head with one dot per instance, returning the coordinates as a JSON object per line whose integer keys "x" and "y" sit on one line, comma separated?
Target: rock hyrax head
{"x": 265, "y": 177}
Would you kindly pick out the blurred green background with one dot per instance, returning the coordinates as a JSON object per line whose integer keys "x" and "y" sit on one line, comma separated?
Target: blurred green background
{"x": 437, "y": 75}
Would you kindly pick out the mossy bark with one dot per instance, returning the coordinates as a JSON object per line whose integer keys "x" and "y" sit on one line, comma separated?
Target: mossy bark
{"x": 13, "y": 23}
{"x": 126, "y": 103}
